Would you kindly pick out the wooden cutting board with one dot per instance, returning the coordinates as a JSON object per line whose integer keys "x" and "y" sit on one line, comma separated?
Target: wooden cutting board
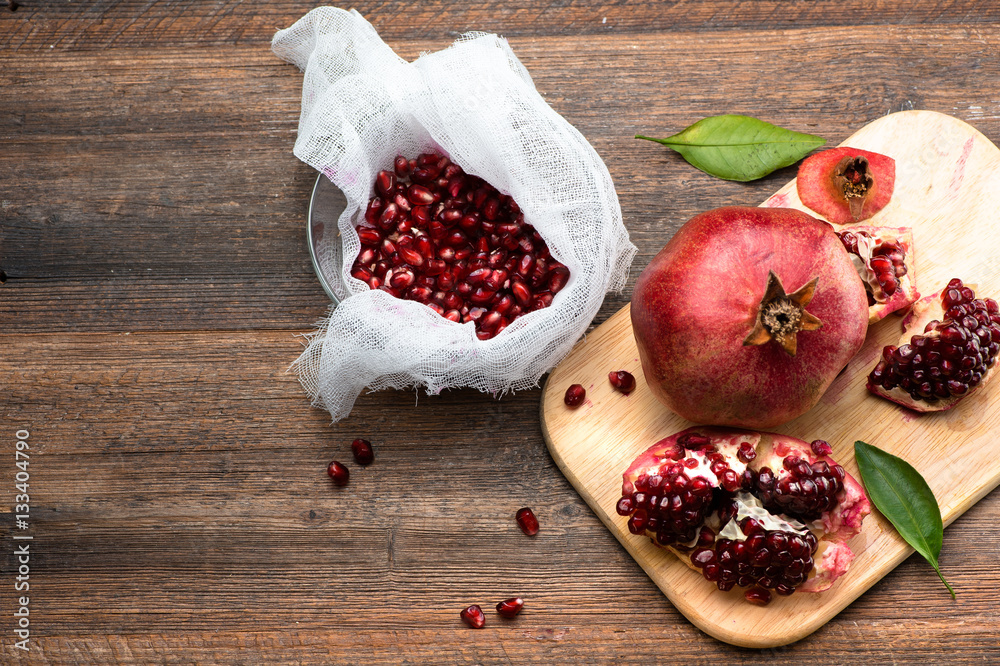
{"x": 948, "y": 190}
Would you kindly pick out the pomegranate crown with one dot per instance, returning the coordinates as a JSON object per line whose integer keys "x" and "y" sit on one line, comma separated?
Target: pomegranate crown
{"x": 781, "y": 316}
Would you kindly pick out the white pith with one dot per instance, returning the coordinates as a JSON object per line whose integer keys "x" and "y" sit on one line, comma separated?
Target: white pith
{"x": 749, "y": 506}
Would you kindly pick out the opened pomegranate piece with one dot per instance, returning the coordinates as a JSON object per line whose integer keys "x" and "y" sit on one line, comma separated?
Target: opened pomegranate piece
{"x": 846, "y": 185}
{"x": 883, "y": 257}
{"x": 947, "y": 352}
{"x": 439, "y": 236}
{"x": 750, "y": 509}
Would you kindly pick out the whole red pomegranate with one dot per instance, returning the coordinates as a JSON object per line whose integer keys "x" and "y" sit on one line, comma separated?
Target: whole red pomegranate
{"x": 747, "y": 315}
{"x": 751, "y": 509}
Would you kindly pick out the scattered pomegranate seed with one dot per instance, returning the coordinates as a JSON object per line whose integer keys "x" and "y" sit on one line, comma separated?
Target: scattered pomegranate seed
{"x": 575, "y": 395}
{"x": 821, "y": 448}
{"x": 526, "y": 519}
{"x": 338, "y": 473}
{"x": 758, "y": 596}
{"x": 363, "y": 453}
{"x": 510, "y": 607}
{"x": 622, "y": 380}
{"x": 433, "y": 229}
{"x": 473, "y": 616}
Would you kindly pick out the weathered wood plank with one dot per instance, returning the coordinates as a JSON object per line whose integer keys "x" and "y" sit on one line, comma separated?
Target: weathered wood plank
{"x": 192, "y": 213}
{"x": 50, "y": 24}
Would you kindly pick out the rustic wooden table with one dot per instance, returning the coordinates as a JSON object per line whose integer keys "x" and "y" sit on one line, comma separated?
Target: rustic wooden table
{"x": 155, "y": 285}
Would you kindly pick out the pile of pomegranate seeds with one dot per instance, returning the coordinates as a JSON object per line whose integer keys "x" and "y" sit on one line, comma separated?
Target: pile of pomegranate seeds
{"x": 952, "y": 356}
{"x": 622, "y": 380}
{"x": 526, "y": 519}
{"x": 436, "y": 235}
{"x": 575, "y": 395}
{"x": 806, "y": 491}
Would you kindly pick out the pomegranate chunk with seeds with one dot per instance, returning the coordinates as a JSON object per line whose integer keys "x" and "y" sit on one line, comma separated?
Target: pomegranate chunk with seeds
{"x": 747, "y": 509}
{"x": 883, "y": 257}
{"x": 439, "y": 236}
{"x": 947, "y": 352}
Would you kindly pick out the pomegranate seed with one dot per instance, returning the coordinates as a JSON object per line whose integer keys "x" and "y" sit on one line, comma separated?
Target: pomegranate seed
{"x": 402, "y": 166}
{"x": 543, "y": 299}
{"x": 473, "y": 616}
{"x": 411, "y": 256}
{"x": 821, "y": 448}
{"x": 402, "y": 203}
{"x": 558, "y": 278}
{"x": 374, "y": 210}
{"x": 521, "y": 292}
{"x": 362, "y": 450}
{"x": 419, "y": 195}
{"x": 385, "y": 182}
{"x": 390, "y": 213}
{"x": 575, "y": 395}
{"x": 402, "y": 279}
{"x": 526, "y": 519}
{"x": 758, "y": 596}
{"x": 421, "y": 175}
{"x": 338, "y": 473}
{"x": 622, "y": 380}
{"x": 490, "y": 321}
{"x": 496, "y": 279}
{"x": 369, "y": 236}
{"x": 478, "y": 276}
{"x": 526, "y": 265}
{"x": 510, "y": 607}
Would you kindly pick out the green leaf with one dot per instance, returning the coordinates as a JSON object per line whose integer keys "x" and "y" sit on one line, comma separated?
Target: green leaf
{"x": 903, "y": 496}
{"x": 739, "y": 148}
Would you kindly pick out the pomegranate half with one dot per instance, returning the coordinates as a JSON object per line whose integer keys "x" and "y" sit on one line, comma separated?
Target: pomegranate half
{"x": 746, "y": 316}
{"x": 753, "y": 509}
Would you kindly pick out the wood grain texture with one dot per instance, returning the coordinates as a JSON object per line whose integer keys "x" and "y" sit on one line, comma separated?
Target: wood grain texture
{"x": 154, "y": 280}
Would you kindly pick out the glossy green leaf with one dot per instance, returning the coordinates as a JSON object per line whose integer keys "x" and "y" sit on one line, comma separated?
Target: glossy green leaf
{"x": 904, "y": 498}
{"x": 740, "y": 148}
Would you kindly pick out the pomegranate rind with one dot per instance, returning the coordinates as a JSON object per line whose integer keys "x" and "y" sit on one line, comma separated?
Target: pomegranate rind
{"x": 830, "y": 561}
{"x": 817, "y": 191}
{"x": 833, "y": 529}
{"x": 906, "y": 294}
{"x": 695, "y": 303}
{"x": 921, "y": 313}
